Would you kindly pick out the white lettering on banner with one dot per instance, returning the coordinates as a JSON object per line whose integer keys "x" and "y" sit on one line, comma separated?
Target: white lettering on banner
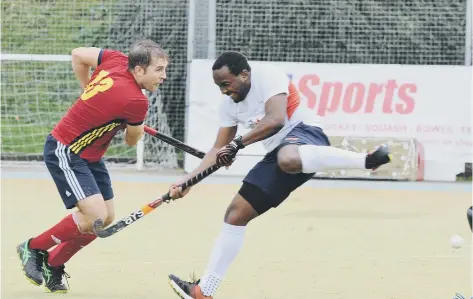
{"x": 133, "y": 217}
{"x": 429, "y": 103}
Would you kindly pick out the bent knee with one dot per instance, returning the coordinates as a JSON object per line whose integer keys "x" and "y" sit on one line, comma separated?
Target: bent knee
{"x": 240, "y": 212}
{"x": 99, "y": 214}
{"x": 86, "y": 222}
{"x": 92, "y": 209}
{"x": 289, "y": 160}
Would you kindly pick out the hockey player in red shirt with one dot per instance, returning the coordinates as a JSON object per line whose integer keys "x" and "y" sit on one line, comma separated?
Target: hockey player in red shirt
{"x": 111, "y": 100}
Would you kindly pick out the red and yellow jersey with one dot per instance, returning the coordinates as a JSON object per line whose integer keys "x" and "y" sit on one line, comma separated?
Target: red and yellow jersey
{"x": 111, "y": 98}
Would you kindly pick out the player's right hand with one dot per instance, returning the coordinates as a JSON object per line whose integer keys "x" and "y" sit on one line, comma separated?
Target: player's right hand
{"x": 226, "y": 155}
{"x": 176, "y": 192}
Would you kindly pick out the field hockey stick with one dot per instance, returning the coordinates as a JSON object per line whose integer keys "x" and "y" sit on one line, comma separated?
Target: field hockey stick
{"x": 164, "y": 198}
{"x": 174, "y": 142}
{"x": 149, "y": 207}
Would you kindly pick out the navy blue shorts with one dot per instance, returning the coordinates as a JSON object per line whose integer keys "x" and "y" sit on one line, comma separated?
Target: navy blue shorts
{"x": 75, "y": 177}
{"x": 271, "y": 180}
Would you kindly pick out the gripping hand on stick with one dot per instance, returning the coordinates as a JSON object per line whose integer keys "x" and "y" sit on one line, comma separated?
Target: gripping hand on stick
{"x": 227, "y": 154}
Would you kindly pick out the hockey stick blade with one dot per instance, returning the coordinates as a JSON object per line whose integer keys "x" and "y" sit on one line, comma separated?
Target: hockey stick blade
{"x": 133, "y": 217}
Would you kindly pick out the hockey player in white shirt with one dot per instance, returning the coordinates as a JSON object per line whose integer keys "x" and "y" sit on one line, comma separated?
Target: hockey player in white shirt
{"x": 264, "y": 100}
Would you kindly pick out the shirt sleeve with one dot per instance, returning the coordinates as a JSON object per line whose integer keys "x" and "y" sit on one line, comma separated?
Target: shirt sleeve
{"x": 273, "y": 82}
{"x": 227, "y": 119}
{"x": 135, "y": 112}
{"x": 106, "y": 54}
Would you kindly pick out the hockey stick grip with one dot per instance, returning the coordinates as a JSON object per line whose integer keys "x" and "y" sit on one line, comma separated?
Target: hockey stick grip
{"x": 174, "y": 142}
{"x": 194, "y": 180}
{"x": 200, "y": 176}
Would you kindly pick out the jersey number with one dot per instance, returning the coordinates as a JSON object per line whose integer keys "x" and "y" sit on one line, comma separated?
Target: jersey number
{"x": 101, "y": 83}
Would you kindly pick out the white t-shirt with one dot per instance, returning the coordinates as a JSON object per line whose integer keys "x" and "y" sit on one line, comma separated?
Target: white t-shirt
{"x": 266, "y": 81}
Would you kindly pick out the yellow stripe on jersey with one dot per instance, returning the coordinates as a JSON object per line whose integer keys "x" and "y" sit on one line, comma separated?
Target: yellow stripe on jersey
{"x": 88, "y": 138}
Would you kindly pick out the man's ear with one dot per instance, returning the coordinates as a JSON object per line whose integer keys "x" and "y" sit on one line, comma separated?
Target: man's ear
{"x": 139, "y": 70}
{"x": 245, "y": 74}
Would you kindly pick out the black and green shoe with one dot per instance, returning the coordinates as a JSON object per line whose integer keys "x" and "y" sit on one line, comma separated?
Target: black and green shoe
{"x": 31, "y": 260}
{"x": 53, "y": 278}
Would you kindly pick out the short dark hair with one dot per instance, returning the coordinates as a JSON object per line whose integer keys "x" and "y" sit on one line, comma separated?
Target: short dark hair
{"x": 235, "y": 61}
{"x": 142, "y": 52}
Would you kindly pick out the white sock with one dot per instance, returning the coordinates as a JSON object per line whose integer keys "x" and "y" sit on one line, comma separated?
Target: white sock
{"x": 319, "y": 158}
{"x": 225, "y": 250}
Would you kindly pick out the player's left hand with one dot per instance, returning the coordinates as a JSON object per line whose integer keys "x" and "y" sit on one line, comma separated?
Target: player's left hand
{"x": 227, "y": 154}
{"x": 176, "y": 192}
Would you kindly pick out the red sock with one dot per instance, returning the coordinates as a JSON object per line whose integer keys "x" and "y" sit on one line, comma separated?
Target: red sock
{"x": 64, "y": 251}
{"x": 65, "y": 230}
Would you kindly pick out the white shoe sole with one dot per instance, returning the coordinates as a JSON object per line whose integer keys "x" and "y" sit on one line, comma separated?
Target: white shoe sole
{"x": 178, "y": 290}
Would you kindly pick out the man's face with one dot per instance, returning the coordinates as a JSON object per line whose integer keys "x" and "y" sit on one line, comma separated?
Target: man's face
{"x": 154, "y": 75}
{"x": 237, "y": 87}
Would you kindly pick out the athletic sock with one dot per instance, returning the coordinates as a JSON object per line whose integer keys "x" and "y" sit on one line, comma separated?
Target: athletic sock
{"x": 225, "y": 250}
{"x": 318, "y": 158}
{"x": 63, "y": 231}
{"x": 64, "y": 251}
